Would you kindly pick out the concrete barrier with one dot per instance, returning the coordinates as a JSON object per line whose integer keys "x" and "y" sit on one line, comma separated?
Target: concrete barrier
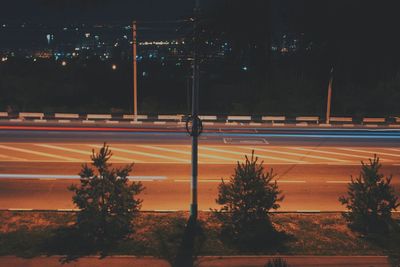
{"x": 170, "y": 117}
{"x": 273, "y": 119}
{"x": 238, "y": 118}
{"x": 307, "y": 119}
{"x": 66, "y": 116}
{"x": 231, "y": 120}
{"x": 132, "y": 117}
{"x": 208, "y": 118}
{"x": 98, "y": 116}
{"x": 23, "y": 115}
{"x": 374, "y": 120}
{"x": 341, "y": 119}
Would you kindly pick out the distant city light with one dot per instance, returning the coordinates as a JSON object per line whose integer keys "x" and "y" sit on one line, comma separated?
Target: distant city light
{"x": 244, "y": 68}
{"x": 160, "y": 43}
{"x": 64, "y": 63}
{"x": 114, "y": 67}
{"x": 87, "y": 35}
{"x": 4, "y": 59}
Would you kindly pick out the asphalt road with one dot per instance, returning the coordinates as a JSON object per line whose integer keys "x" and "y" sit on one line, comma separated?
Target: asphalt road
{"x": 176, "y": 134}
{"x": 313, "y": 166}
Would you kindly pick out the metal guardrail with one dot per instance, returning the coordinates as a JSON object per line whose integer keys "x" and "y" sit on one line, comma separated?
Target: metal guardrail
{"x": 393, "y": 122}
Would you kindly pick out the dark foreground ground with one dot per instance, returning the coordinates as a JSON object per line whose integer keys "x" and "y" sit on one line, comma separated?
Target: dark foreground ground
{"x": 34, "y": 234}
{"x": 241, "y": 261}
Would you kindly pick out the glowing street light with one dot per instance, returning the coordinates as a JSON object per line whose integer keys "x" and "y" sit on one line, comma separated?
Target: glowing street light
{"x": 114, "y": 67}
{"x": 64, "y": 63}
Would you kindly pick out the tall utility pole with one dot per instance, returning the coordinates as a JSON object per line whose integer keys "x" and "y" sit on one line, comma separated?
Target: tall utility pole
{"x": 134, "y": 55}
{"x": 328, "y": 105}
{"x": 196, "y": 123}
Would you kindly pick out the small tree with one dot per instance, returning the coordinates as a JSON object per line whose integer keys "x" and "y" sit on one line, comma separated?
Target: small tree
{"x": 106, "y": 199}
{"x": 246, "y": 201}
{"x": 370, "y": 200}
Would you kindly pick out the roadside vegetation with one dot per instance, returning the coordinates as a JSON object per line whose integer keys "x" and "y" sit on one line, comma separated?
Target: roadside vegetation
{"x": 110, "y": 221}
{"x": 27, "y": 234}
{"x": 108, "y": 203}
{"x": 246, "y": 200}
{"x": 370, "y": 200}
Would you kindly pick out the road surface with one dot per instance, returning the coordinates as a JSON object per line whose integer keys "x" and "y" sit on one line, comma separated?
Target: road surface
{"x": 313, "y": 166}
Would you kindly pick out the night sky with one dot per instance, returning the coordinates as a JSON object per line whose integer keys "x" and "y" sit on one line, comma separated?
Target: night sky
{"x": 286, "y": 15}
{"x": 61, "y": 11}
{"x": 321, "y": 21}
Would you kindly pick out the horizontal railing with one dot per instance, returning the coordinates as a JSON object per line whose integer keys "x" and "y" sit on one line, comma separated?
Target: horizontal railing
{"x": 251, "y": 120}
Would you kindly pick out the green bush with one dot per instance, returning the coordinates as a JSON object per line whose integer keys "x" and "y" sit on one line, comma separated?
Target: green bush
{"x": 370, "y": 200}
{"x": 107, "y": 201}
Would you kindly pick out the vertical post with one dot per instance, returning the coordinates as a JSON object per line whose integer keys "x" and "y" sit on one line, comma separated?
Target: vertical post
{"x": 195, "y": 111}
{"x": 328, "y": 105}
{"x": 134, "y": 55}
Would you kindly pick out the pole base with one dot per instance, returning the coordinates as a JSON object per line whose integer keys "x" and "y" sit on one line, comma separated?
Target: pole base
{"x": 193, "y": 211}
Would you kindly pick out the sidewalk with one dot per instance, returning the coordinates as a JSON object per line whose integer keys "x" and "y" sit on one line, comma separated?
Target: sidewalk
{"x": 208, "y": 261}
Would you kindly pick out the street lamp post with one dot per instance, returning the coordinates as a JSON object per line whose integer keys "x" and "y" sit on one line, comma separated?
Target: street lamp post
{"x": 134, "y": 55}
{"x": 328, "y": 105}
{"x": 196, "y": 123}
{"x": 194, "y": 128}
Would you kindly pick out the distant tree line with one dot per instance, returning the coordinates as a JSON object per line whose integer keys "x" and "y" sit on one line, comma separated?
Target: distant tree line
{"x": 357, "y": 39}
